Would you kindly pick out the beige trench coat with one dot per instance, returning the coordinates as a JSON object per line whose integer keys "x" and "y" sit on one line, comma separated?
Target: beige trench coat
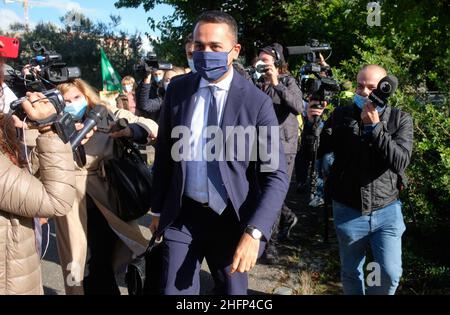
{"x": 72, "y": 229}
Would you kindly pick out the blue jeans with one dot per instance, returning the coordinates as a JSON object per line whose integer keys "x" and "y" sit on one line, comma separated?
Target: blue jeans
{"x": 382, "y": 230}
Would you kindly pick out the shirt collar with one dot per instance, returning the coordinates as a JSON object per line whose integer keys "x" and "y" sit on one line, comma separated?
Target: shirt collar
{"x": 222, "y": 85}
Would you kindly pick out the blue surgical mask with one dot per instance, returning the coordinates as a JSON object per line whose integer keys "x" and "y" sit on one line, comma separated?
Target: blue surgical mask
{"x": 157, "y": 79}
{"x": 360, "y": 101}
{"x": 191, "y": 65}
{"x": 77, "y": 109}
{"x": 211, "y": 65}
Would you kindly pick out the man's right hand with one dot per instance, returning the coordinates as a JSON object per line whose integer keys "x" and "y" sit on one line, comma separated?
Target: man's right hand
{"x": 313, "y": 111}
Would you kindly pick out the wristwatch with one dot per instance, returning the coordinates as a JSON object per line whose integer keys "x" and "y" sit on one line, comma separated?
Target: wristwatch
{"x": 253, "y": 232}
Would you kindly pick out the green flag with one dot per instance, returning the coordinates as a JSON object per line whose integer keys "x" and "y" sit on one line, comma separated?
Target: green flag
{"x": 111, "y": 79}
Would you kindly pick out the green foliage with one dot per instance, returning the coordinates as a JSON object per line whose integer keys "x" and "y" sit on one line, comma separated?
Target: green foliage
{"x": 412, "y": 42}
{"x": 422, "y": 276}
{"x": 79, "y": 46}
{"x": 429, "y": 171}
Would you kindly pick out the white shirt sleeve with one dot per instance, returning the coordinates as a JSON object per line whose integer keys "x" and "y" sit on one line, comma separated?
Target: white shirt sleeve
{"x": 9, "y": 97}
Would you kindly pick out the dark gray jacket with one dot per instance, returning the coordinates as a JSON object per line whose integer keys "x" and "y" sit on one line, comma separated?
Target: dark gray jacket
{"x": 368, "y": 165}
{"x": 149, "y": 100}
{"x": 288, "y": 103}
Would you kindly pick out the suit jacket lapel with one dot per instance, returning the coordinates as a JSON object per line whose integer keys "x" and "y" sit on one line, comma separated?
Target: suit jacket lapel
{"x": 187, "y": 108}
{"x": 234, "y": 102}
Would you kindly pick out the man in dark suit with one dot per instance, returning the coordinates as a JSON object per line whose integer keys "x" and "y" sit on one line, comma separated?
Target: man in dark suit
{"x": 221, "y": 210}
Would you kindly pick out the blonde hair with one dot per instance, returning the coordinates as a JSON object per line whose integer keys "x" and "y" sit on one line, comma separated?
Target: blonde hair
{"x": 129, "y": 80}
{"x": 9, "y": 143}
{"x": 88, "y": 91}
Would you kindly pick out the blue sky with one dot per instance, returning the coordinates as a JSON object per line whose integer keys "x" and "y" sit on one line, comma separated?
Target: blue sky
{"x": 98, "y": 10}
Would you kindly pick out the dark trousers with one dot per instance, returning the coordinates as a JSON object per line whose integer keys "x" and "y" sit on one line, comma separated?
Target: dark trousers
{"x": 101, "y": 239}
{"x": 200, "y": 233}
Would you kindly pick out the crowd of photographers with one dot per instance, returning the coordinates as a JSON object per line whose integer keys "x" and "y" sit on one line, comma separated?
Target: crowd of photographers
{"x": 354, "y": 160}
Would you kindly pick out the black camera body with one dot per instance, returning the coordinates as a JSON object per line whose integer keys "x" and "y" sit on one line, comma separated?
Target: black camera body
{"x": 149, "y": 64}
{"x": 320, "y": 89}
{"x": 316, "y": 80}
{"x": 64, "y": 126}
{"x": 52, "y": 71}
{"x": 262, "y": 68}
{"x": 53, "y": 68}
{"x": 54, "y": 96}
{"x": 253, "y": 71}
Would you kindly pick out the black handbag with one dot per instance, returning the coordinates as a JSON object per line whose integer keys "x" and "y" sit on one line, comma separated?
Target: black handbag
{"x": 130, "y": 181}
{"x": 143, "y": 275}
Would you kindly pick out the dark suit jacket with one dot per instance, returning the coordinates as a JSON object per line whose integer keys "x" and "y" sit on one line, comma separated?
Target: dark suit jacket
{"x": 256, "y": 196}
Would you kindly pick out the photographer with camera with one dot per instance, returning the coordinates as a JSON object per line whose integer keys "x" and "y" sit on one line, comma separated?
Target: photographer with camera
{"x": 25, "y": 197}
{"x": 304, "y": 163}
{"x": 372, "y": 145}
{"x": 94, "y": 225}
{"x": 286, "y": 96}
{"x": 149, "y": 94}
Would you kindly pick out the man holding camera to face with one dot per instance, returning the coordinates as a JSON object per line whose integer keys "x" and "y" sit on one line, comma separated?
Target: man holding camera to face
{"x": 148, "y": 94}
{"x": 286, "y": 96}
{"x": 372, "y": 146}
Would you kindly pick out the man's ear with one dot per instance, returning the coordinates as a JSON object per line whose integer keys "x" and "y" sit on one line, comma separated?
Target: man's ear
{"x": 236, "y": 50}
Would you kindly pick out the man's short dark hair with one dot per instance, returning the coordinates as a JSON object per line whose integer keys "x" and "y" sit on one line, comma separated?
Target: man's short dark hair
{"x": 215, "y": 16}
{"x": 189, "y": 39}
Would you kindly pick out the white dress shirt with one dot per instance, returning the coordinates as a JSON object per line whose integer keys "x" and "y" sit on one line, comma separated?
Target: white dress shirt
{"x": 196, "y": 184}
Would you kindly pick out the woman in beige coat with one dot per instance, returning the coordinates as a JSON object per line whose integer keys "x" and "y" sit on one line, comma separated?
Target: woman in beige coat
{"x": 24, "y": 197}
{"x": 93, "y": 243}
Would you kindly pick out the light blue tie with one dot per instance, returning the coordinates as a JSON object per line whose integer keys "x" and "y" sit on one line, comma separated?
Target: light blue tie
{"x": 217, "y": 193}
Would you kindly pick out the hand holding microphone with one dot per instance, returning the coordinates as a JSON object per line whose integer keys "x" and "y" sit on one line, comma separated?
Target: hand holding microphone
{"x": 93, "y": 118}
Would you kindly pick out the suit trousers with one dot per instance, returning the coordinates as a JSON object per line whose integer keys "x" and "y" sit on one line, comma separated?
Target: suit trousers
{"x": 200, "y": 233}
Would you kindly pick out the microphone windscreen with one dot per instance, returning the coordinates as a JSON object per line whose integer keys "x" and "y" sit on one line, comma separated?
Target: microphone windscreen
{"x": 387, "y": 86}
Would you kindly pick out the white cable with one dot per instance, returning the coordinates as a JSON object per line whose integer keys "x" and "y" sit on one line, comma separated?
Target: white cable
{"x": 25, "y": 145}
{"x": 48, "y": 241}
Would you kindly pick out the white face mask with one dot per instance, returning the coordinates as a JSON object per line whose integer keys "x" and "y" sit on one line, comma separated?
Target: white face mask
{"x": 166, "y": 84}
{"x": 128, "y": 88}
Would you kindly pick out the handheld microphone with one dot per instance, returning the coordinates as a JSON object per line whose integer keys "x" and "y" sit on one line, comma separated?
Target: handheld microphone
{"x": 385, "y": 88}
{"x": 93, "y": 118}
